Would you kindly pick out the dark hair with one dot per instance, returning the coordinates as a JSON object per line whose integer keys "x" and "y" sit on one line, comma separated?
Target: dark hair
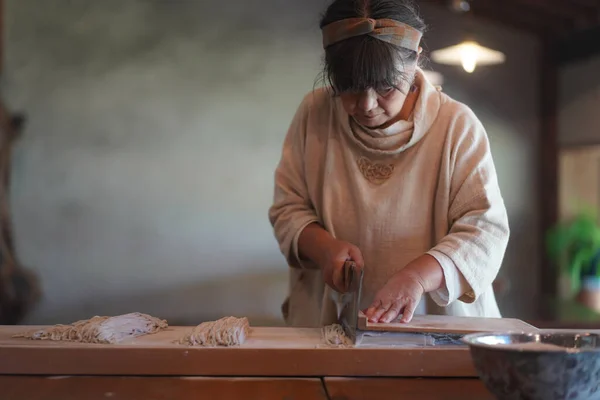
{"x": 362, "y": 62}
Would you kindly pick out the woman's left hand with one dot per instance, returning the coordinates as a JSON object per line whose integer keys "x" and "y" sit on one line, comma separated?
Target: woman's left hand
{"x": 400, "y": 295}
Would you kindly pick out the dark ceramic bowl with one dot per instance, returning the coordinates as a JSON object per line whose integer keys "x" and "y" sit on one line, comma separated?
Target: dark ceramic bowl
{"x": 544, "y": 365}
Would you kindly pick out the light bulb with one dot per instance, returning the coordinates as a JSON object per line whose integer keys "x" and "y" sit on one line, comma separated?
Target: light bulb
{"x": 469, "y": 64}
{"x": 468, "y": 56}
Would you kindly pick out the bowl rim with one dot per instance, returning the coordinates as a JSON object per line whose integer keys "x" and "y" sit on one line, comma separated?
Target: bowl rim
{"x": 470, "y": 340}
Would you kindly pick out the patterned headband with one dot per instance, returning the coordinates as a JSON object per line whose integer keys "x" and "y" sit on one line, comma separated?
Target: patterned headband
{"x": 388, "y": 30}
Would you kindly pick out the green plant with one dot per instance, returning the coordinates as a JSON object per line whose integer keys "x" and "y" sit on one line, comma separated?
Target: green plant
{"x": 574, "y": 246}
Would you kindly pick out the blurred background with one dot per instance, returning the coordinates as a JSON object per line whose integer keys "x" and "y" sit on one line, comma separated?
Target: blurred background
{"x": 141, "y": 138}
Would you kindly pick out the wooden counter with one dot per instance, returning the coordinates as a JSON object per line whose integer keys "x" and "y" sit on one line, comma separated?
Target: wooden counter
{"x": 274, "y": 363}
{"x": 267, "y": 352}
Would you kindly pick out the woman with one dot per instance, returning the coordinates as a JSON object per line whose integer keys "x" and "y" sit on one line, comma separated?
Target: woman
{"x": 382, "y": 168}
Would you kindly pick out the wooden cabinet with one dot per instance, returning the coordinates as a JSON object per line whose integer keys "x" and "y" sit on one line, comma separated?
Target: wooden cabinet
{"x": 399, "y": 389}
{"x": 158, "y": 388}
{"x": 192, "y": 388}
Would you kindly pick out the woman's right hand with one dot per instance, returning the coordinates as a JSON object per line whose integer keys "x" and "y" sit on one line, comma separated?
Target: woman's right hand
{"x": 328, "y": 253}
{"x": 333, "y": 256}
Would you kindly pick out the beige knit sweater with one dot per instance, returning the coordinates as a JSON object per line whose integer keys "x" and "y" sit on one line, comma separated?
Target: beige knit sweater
{"x": 442, "y": 198}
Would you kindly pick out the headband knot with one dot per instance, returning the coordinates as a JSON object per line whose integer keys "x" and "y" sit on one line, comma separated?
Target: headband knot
{"x": 387, "y": 30}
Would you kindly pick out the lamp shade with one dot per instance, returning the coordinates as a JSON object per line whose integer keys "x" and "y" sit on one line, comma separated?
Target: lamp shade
{"x": 469, "y": 54}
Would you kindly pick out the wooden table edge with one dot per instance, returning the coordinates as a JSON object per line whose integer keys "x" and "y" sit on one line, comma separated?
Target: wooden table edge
{"x": 321, "y": 362}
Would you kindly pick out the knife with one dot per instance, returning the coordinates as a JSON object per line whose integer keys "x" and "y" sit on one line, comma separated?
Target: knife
{"x": 352, "y": 279}
{"x": 349, "y": 280}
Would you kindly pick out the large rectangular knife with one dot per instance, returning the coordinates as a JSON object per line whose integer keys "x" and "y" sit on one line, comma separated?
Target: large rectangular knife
{"x": 352, "y": 278}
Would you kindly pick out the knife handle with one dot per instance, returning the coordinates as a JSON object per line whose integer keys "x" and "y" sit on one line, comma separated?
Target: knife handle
{"x": 349, "y": 276}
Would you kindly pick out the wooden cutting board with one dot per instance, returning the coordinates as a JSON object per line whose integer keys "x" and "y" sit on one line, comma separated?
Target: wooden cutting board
{"x": 268, "y": 351}
{"x": 446, "y": 324}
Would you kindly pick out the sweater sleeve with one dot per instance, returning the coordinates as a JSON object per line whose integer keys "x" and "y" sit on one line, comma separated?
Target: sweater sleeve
{"x": 455, "y": 283}
{"x": 478, "y": 232}
{"x": 292, "y": 208}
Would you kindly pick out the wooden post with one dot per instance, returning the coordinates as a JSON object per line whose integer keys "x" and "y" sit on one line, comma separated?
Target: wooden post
{"x": 2, "y": 35}
{"x": 548, "y": 164}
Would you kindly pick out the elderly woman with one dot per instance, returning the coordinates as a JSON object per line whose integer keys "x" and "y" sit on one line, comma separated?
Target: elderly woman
{"x": 382, "y": 168}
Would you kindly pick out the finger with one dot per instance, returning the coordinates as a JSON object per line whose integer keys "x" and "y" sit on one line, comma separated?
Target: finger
{"x": 337, "y": 278}
{"x": 356, "y": 255}
{"x": 393, "y": 312}
{"x": 378, "y": 313}
{"x": 372, "y": 308}
{"x": 409, "y": 310}
{"x": 328, "y": 277}
{"x": 330, "y": 283}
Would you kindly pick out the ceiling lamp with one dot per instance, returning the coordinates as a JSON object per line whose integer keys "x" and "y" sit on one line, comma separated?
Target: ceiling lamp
{"x": 469, "y": 54}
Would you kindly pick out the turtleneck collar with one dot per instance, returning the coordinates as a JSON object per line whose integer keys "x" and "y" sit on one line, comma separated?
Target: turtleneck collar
{"x": 402, "y": 134}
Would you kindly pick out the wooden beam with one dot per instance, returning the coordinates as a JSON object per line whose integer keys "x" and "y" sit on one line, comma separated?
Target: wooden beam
{"x": 565, "y": 6}
{"x": 589, "y": 4}
{"x": 485, "y": 15}
{"x": 2, "y": 34}
{"x": 539, "y": 17}
{"x": 559, "y": 10}
{"x": 548, "y": 169}
{"x": 576, "y": 17}
{"x": 501, "y": 18}
{"x": 513, "y": 17}
{"x": 588, "y": 10}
